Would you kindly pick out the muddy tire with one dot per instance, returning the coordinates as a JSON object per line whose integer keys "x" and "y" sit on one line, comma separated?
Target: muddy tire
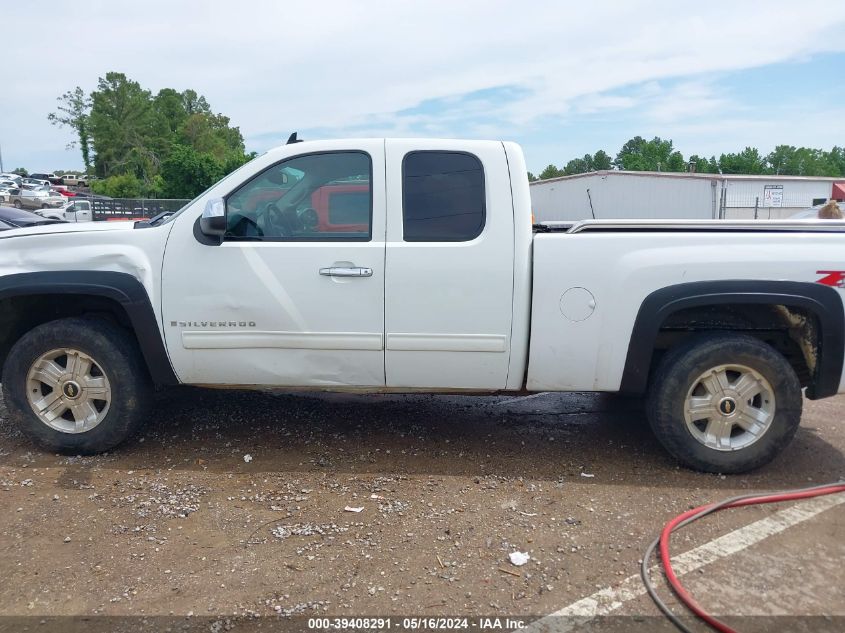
{"x": 76, "y": 385}
{"x": 724, "y": 403}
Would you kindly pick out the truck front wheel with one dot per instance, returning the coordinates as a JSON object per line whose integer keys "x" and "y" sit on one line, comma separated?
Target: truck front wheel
{"x": 76, "y": 385}
{"x": 724, "y": 403}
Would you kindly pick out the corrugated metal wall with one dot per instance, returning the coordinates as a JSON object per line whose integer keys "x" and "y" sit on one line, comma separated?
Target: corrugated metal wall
{"x": 619, "y": 196}
{"x": 797, "y": 195}
{"x": 629, "y": 196}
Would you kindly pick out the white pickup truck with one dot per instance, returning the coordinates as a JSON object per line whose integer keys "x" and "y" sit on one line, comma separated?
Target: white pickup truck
{"x": 73, "y": 211}
{"x": 412, "y": 265}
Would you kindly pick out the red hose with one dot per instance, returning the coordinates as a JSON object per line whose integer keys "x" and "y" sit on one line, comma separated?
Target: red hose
{"x": 665, "y": 535}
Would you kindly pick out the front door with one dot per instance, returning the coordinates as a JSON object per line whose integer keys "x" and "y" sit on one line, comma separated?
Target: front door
{"x": 294, "y": 294}
{"x": 79, "y": 211}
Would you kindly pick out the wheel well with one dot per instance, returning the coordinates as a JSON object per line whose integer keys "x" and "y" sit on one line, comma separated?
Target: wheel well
{"x": 793, "y": 331}
{"x": 20, "y": 314}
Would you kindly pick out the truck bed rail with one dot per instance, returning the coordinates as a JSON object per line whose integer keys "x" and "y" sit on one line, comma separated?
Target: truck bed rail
{"x": 661, "y": 226}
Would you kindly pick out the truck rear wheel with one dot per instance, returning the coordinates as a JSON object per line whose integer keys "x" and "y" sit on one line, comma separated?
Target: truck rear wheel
{"x": 76, "y": 385}
{"x": 724, "y": 403}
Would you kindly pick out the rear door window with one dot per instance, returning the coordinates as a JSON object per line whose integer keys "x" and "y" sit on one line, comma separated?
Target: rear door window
{"x": 443, "y": 197}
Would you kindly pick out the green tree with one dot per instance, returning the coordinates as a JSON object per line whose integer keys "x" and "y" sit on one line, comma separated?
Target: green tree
{"x": 805, "y": 161}
{"x": 748, "y": 161}
{"x": 817, "y": 162}
{"x": 73, "y": 112}
{"x": 235, "y": 160}
{"x": 211, "y": 134}
{"x": 578, "y": 166}
{"x": 602, "y": 161}
{"x": 837, "y": 159}
{"x": 120, "y": 186}
{"x": 169, "y": 107}
{"x": 122, "y": 128}
{"x": 698, "y": 164}
{"x": 187, "y": 172}
{"x": 531, "y": 177}
{"x": 704, "y": 165}
{"x": 782, "y": 160}
{"x": 637, "y": 154}
{"x": 194, "y": 103}
{"x": 170, "y": 142}
{"x": 550, "y": 172}
{"x": 20, "y": 171}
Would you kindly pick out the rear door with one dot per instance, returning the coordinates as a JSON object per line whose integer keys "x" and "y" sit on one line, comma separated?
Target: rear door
{"x": 449, "y": 265}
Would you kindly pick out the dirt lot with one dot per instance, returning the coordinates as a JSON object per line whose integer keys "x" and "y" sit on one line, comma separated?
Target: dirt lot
{"x": 229, "y": 513}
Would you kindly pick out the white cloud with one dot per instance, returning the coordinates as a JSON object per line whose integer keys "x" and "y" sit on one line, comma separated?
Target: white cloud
{"x": 275, "y": 67}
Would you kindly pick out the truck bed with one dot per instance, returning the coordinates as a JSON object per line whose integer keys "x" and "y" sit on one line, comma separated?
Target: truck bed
{"x": 590, "y": 279}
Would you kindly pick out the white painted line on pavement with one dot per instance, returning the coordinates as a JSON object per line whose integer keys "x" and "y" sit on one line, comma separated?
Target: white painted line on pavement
{"x": 607, "y": 600}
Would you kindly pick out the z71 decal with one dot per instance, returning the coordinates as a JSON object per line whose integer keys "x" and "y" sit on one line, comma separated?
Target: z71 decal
{"x": 835, "y": 278}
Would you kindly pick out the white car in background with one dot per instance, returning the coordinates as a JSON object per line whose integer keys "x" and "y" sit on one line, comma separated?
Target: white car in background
{"x": 73, "y": 211}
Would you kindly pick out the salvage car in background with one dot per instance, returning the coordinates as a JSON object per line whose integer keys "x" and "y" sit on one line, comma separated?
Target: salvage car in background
{"x": 51, "y": 178}
{"x": 74, "y": 180}
{"x": 36, "y": 198}
{"x": 6, "y": 192}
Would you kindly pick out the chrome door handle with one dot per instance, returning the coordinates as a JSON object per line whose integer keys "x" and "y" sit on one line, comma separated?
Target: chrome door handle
{"x": 344, "y": 271}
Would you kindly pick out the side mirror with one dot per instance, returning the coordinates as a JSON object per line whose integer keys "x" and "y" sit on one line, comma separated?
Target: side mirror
{"x": 213, "y": 220}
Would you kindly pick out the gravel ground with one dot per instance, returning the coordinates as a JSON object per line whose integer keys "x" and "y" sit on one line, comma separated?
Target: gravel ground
{"x": 241, "y": 509}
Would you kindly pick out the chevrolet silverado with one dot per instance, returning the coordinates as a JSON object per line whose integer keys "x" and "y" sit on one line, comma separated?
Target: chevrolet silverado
{"x": 421, "y": 271}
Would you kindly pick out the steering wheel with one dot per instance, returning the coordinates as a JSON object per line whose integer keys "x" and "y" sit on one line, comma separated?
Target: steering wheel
{"x": 309, "y": 219}
{"x": 278, "y": 221}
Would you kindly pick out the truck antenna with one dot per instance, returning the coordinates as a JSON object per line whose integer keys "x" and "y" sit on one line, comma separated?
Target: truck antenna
{"x": 590, "y": 198}
{"x": 292, "y": 139}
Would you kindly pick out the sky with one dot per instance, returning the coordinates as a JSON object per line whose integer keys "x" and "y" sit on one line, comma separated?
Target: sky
{"x": 561, "y": 78}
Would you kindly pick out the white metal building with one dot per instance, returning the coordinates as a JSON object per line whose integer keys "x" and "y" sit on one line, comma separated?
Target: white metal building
{"x": 644, "y": 194}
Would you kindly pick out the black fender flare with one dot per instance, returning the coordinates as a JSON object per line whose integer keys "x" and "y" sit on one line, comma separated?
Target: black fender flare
{"x": 822, "y": 301}
{"x": 122, "y": 288}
